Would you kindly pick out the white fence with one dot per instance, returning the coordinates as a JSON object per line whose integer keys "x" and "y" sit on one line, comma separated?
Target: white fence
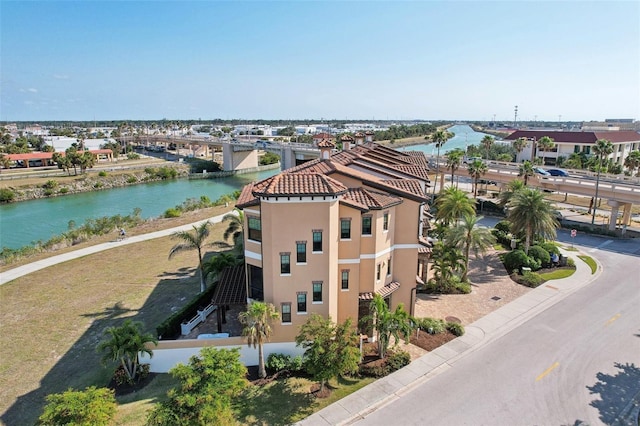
{"x": 201, "y": 316}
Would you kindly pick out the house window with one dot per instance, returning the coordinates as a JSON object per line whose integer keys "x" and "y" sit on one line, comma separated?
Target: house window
{"x": 366, "y": 225}
{"x": 576, "y": 149}
{"x": 285, "y": 263}
{"x": 378, "y": 269}
{"x": 255, "y": 229}
{"x": 345, "y": 229}
{"x": 389, "y": 266}
{"x": 301, "y": 251}
{"x": 317, "y": 291}
{"x": 345, "y": 279}
{"x": 317, "y": 241}
{"x": 285, "y": 311}
{"x": 385, "y": 222}
{"x": 302, "y": 302}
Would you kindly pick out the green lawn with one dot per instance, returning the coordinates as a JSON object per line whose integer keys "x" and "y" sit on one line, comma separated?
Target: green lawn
{"x": 589, "y": 261}
{"x": 558, "y": 274}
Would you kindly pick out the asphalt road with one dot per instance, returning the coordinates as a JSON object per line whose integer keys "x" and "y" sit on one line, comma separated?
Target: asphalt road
{"x": 578, "y": 361}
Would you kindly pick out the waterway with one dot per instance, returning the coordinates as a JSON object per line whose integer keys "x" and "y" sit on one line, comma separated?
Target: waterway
{"x": 29, "y": 221}
{"x": 464, "y": 136}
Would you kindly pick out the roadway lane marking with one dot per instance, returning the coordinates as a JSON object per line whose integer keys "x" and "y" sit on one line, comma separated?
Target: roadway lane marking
{"x": 547, "y": 371}
{"x": 606, "y": 243}
{"x": 611, "y": 320}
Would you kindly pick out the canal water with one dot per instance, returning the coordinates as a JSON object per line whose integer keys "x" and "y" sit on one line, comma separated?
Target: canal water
{"x": 464, "y": 136}
{"x": 29, "y": 221}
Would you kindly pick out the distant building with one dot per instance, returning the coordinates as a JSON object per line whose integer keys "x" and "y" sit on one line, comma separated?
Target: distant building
{"x": 611, "y": 124}
{"x": 567, "y": 143}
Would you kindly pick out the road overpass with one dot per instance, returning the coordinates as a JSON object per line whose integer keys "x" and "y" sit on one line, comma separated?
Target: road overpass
{"x": 620, "y": 192}
{"x": 236, "y": 154}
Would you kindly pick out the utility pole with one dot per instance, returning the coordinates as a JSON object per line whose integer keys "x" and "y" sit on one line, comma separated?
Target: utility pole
{"x": 515, "y": 116}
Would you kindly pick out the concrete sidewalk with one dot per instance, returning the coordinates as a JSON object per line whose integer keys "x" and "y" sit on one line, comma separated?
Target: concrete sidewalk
{"x": 478, "y": 334}
{"x": 20, "y": 271}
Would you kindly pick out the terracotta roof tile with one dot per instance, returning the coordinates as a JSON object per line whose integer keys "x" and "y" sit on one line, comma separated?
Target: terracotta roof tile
{"x": 368, "y": 199}
{"x": 287, "y": 184}
{"x": 348, "y": 138}
{"x": 246, "y": 198}
{"x": 414, "y": 170}
{"x": 359, "y": 135}
{"x": 384, "y": 291}
{"x": 411, "y": 186}
{"x": 325, "y": 143}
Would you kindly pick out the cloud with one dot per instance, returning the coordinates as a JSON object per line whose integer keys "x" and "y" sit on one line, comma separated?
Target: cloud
{"x": 32, "y": 90}
{"x": 61, "y": 76}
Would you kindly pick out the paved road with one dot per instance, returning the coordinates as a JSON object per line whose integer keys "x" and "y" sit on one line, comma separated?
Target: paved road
{"x": 561, "y": 367}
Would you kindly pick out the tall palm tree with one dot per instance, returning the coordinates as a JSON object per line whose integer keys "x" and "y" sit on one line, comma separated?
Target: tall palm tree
{"x": 257, "y": 329}
{"x": 602, "y": 149}
{"x": 216, "y": 264}
{"x": 388, "y": 323}
{"x": 531, "y": 214}
{"x": 476, "y": 169}
{"x": 454, "y": 160}
{"x": 632, "y": 161}
{"x": 519, "y": 144}
{"x": 526, "y": 171}
{"x": 511, "y": 188}
{"x": 124, "y": 343}
{"x": 487, "y": 141}
{"x": 545, "y": 143}
{"x": 451, "y": 204}
{"x": 193, "y": 241}
{"x": 447, "y": 262}
{"x": 467, "y": 236}
{"x": 235, "y": 230}
{"x": 439, "y": 137}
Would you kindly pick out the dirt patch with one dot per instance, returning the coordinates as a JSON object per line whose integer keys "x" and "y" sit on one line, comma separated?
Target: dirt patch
{"x": 429, "y": 342}
{"x": 126, "y": 389}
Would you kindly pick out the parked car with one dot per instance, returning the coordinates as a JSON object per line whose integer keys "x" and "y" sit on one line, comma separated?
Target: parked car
{"x": 471, "y": 160}
{"x": 541, "y": 171}
{"x": 558, "y": 172}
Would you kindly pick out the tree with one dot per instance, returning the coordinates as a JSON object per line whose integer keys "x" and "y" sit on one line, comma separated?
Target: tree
{"x": 93, "y": 406}
{"x": 388, "y": 323}
{"x": 124, "y": 343}
{"x": 526, "y": 171}
{"x": 531, "y": 214}
{"x": 519, "y": 144}
{"x": 216, "y": 264}
{"x": 330, "y": 350}
{"x": 439, "y": 137}
{"x": 4, "y": 161}
{"x": 487, "y": 141}
{"x": 235, "y": 230}
{"x": 476, "y": 169}
{"x": 632, "y": 161}
{"x": 447, "y": 262}
{"x": 86, "y": 161}
{"x": 468, "y": 236}
{"x": 545, "y": 143}
{"x": 62, "y": 162}
{"x": 257, "y": 329}
{"x": 451, "y": 204}
{"x": 601, "y": 149}
{"x": 206, "y": 387}
{"x": 454, "y": 159}
{"x": 511, "y": 188}
{"x": 193, "y": 241}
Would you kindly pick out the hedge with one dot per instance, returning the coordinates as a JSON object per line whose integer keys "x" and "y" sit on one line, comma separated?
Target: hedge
{"x": 170, "y": 328}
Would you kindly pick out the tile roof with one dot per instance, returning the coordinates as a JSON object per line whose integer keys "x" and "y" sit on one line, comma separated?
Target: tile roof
{"x": 325, "y": 143}
{"x": 368, "y": 199}
{"x": 411, "y": 186}
{"x": 299, "y": 184}
{"x": 383, "y": 291}
{"x": 347, "y": 138}
{"x": 246, "y": 198}
{"x": 413, "y": 170}
{"x": 323, "y": 136}
{"x": 577, "y": 137}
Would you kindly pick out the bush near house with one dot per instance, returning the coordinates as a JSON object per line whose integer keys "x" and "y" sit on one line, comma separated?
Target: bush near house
{"x": 170, "y": 328}
{"x": 93, "y": 406}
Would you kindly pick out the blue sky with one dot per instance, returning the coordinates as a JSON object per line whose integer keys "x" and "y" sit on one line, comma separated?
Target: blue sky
{"x": 319, "y": 59}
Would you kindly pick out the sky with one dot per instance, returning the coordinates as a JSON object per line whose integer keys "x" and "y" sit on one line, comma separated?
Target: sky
{"x": 346, "y": 60}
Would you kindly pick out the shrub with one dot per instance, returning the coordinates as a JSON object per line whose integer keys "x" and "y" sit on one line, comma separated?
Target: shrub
{"x": 397, "y": 360}
{"x": 133, "y": 156}
{"x": 455, "y": 328}
{"x": 48, "y": 192}
{"x": 277, "y": 362}
{"x": 50, "y": 184}
{"x": 132, "y": 179}
{"x": 463, "y": 288}
{"x": 571, "y": 262}
{"x": 93, "y": 406}
{"x": 531, "y": 279}
{"x": 172, "y": 212}
{"x": 98, "y": 185}
{"x": 6, "y": 195}
{"x": 431, "y": 325}
{"x": 63, "y": 190}
{"x": 503, "y": 226}
{"x": 550, "y": 247}
{"x": 515, "y": 260}
{"x": 540, "y": 254}
{"x": 170, "y": 328}
{"x": 102, "y": 173}
{"x": 375, "y": 369}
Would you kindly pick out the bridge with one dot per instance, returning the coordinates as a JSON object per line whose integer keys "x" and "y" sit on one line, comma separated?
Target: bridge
{"x": 621, "y": 192}
{"x": 236, "y": 154}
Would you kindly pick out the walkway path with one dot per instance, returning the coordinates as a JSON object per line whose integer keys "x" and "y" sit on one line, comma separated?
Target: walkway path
{"x": 20, "y": 271}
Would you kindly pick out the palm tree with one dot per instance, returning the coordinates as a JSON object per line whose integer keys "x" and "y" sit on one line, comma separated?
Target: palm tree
{"x": 193, "y": 241}
{"x": 453, "y": 203}
{"x": 602, "y": 149}
{"x": 511, "y": 188}
{"x": 519, "y": 144}
{"x": 476, "y": 169}
{"x": 545, "y": 143}
{"x": 124, "y": 343}
{"x": 257, "y": 329}
{"x": 468, "y": 236}
{"x": 389, "y": 323}
{"x": 217, "y": 264}
{"x": 447, "y": 261}
{"x": 439, "y": 137}
{"x": 487, "y": 141}
{"x": 531, "y": 214}
{"x": 235, "y": 230}
{"x": 526, "y": 171}
{"x": 454, "y": 159}
{"x": 632, "y": 162}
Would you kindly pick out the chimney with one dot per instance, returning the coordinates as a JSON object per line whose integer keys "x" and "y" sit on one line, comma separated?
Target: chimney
{"x": 347, "y": 141}
{"x": 368, "y": 136}
{"x": 359, "y": 138}
{"x": 326, "y": 146}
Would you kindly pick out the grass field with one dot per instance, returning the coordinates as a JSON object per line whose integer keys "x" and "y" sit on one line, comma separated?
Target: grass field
{"x": 52, "y": 320}
{"x": 589, "y": 261}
